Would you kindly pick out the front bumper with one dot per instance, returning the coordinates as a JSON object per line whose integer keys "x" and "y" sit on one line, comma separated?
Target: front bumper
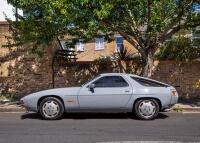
{"x": 174, "y": 100}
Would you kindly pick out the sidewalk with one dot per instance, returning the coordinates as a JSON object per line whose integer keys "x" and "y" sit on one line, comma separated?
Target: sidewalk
{"x": 11, "y": 107}
{"x": 189, "y": 106}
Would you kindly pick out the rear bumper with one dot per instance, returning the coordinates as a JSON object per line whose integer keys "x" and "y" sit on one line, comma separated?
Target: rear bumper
{"x": 167, "y": 108}
{"x": 174, "y": 100}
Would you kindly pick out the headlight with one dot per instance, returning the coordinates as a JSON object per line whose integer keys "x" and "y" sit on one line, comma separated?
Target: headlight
{"x": 174, "y": 93}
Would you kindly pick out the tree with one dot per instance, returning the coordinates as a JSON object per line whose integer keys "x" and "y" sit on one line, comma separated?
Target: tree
{"x": 146, "y": 24}
{"x": 179, "y": 48}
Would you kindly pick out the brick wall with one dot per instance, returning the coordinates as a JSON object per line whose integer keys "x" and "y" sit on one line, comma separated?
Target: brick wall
{"x": 22, "y": 73}
{"x": 182, "y": 75}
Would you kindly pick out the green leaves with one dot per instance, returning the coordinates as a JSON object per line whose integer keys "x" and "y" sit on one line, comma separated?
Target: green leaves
{"x": 104, "y": 10}
{"x": 180, "y": 49}
{"x": 150, "y": 20}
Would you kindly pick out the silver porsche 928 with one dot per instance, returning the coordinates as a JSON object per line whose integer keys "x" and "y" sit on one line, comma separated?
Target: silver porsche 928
{"x": 109, "y": 92}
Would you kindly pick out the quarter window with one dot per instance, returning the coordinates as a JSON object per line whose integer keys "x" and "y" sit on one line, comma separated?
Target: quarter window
{"x": 146, "y": 82}
{"x": 99, "y": 43}
{"x": 111, "y": 81}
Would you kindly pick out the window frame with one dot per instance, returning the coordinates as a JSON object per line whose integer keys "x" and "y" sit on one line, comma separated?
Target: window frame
{"x": 116, "y": 43}
{"x": 99, "y": 43}
{"x": 78, "y": 44}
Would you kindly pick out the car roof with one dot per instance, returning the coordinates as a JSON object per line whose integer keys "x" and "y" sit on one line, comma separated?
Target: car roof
{"x": 114, "y": 74}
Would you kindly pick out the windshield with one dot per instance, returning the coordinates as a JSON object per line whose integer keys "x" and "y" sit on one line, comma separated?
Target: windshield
{"x": 90, "y": 80}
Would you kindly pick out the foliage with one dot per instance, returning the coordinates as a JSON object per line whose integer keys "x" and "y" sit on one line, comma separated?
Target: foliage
{"x": 123, "y": 54}
{"x": 178, "y": 109}
{"x": 180, "y": 49}
{"x": 196, "y": 38}
{"x": 7, "y": 98}
{"x": 103, "y": 59}
{"x": 145, "y": 24}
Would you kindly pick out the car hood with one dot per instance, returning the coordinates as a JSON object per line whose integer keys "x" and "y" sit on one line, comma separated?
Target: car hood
{"x": 56, "y": 91}
{"x": 60, "y": 91}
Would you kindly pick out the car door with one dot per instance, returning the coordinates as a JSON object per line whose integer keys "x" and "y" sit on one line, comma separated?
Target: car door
{"x": 109, "y": 93}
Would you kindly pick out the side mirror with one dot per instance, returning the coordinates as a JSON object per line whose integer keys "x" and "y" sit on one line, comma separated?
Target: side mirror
{"x": 91, "y": 86}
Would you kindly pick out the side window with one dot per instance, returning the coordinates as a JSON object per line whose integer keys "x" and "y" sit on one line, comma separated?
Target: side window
{"x": 111, "y": 81}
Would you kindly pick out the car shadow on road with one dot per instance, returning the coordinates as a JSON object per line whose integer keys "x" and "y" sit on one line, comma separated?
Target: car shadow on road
{"x": 83, "y": 116}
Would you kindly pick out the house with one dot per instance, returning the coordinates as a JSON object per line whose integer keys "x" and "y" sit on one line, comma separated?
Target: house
{"x": 99, "y": 47}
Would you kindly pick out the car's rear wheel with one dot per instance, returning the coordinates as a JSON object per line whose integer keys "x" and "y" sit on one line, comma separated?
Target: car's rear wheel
{"x": 51, "y": 108}
{"x": 146, "y": 109}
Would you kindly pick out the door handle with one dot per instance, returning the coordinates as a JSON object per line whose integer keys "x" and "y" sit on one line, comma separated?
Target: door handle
{"x": 127, "y": 90}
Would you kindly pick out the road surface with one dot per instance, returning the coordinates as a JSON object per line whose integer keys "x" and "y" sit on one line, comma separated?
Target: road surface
{"x": 92, "y": 128}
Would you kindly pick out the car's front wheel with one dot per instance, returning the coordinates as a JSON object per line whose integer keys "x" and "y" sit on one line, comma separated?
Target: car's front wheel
{"x": 51, "y": 108}
{"x": 146, "y": 109}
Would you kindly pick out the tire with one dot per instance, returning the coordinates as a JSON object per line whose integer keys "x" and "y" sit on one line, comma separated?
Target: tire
{"x": 146, "y": 109}
{"x": 51, "y": 108}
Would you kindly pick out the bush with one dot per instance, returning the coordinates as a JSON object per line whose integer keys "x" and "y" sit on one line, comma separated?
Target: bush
{"x": 103, "y": 59}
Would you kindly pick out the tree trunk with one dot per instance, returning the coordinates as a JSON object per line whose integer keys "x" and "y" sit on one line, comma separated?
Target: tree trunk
{"x": 148, "y": 64}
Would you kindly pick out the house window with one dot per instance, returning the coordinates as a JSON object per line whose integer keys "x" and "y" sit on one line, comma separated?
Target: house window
{"x": 99, "y": 43}
{"x": 80, "y": 46}
{"x": 119, "y": 42}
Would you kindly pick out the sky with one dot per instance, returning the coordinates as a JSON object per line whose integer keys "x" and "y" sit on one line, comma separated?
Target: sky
{"x": 8, "y": 9}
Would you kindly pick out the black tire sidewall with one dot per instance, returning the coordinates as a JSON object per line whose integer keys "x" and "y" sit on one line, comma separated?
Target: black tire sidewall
{"x": 136, "y": 109}
{"x": 61, "y": 107}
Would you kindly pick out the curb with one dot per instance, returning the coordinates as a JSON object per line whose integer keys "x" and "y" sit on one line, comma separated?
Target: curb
{"x": 17, "y": 109}
{"x": 186, "y": 110}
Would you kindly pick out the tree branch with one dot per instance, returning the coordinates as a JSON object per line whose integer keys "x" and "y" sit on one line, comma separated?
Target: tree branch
{"x": 149, "y": 4}
{"x": 178, "y": 28}
{"x": 131, "y": 40}
{"x": 178, "y": 17}
{"x": 133, "y": 25}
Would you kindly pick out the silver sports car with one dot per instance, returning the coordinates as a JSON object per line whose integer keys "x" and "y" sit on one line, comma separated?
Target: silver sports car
{"x": 110, "y": 92}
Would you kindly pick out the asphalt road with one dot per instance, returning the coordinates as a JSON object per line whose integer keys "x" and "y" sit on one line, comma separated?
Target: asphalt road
{"x": 92, "y": 128}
